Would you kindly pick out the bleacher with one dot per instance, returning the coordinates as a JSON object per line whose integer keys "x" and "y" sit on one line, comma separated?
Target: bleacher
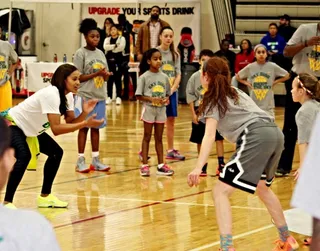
{"x": 253, "y": 18}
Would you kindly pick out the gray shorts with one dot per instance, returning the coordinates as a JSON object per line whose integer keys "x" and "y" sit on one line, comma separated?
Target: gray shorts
{"x": 259, "y": 149}
{"x": 153, "y": 114}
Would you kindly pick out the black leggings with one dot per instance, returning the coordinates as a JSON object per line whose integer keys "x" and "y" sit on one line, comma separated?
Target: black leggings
{"x": 22, "y": 153}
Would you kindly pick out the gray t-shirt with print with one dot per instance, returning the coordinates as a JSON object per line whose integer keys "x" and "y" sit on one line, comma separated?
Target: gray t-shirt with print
{"x": 307, "y": 60}
{"x": 262, "y": 76}
{"x": 305, "y": 118}
{"x": 89, "y": 62}
{"x": 7, "y": 56}
{"x": 194, "y": 90}
{"x": 169, "y": 67}
{"x": 24, "y": 230}
{"x": 238, "y": 116}
{"x": 151, "y": 84}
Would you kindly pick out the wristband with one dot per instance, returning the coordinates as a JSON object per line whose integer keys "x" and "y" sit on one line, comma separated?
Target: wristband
{"x": 306, "y": 43}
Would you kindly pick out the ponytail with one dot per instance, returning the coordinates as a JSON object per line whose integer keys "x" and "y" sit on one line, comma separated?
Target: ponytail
{"x": 219, "y": 87}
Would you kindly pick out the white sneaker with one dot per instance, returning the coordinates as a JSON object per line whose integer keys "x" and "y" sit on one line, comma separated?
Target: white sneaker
{"x": 118, "y": 101}
{"x": 108, "y": 101}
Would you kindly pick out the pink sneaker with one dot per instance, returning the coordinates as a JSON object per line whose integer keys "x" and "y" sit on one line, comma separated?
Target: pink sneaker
{"x": 165, "y": 170}
{"x": 229, "y": 249}
{"x": 145, "y": 170}
{"x": 290, "y": 245}
{"x": 175, "y": 155}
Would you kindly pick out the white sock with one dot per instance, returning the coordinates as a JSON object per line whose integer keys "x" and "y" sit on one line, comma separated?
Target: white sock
{"x": 95, "y": 154}
{"x": 160, "y": 165}
{"x": 80, "y": 155}
{"x": 171, "y": 150}
{"x": 144, "y": 165}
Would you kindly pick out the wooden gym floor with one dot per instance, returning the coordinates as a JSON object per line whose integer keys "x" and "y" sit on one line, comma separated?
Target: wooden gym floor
{"x": 121, "y": 210}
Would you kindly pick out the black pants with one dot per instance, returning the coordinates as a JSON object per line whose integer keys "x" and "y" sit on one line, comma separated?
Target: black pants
{"x": 134, "y": 82}
{"x": 22, "y": 153}
{"x": 115, "y": 78}
{"x": 125, "y": 73}
{"x": 290, "y": 129}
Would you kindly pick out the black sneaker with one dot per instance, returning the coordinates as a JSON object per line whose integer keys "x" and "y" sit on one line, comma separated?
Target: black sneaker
{"x": 281, "y": 173}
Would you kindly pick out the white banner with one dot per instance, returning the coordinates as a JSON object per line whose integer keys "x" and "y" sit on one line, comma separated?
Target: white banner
{"x": 40, "y": 74}
{"x": 178, "y": 15}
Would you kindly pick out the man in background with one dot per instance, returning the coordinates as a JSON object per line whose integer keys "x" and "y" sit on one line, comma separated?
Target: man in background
{"x": 224, "y": 52}
{"x": 302, "y": 47}
{"x": 285, "y": 29}
{"x": 148, "y": 36}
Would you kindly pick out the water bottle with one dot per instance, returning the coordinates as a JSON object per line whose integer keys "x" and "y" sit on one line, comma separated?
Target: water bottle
{"x": 64, "y": 58}
{"x": 55, "y": 58}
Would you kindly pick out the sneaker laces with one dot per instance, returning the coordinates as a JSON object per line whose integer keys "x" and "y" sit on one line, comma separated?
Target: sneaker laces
{"x": 166, "y": 168}
{"x": 279, "y": 245}
{"x": 81, "y": 160}
{"x": 176, "y": 152}
{"x": 145, "y": 168}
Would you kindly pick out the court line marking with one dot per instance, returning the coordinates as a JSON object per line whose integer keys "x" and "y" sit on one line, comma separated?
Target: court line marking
{"x": 129, "y": 209}
{"x": 234, "y": 237}
{"x": 107, "y": 174}
{"x": 149, "y": 201}
{"x": 125, "y": 210}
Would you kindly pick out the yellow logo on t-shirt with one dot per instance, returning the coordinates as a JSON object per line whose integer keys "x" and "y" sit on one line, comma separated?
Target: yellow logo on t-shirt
{"x": 314, "y": 58}
{"x": 98, "y": 81}
{"x": 158, "y": 91}
{"x": 169, "y": 70}
{"x": 260, "y": 87}
{"x": 3, "y": 67}
{"x": 201, "y": 90}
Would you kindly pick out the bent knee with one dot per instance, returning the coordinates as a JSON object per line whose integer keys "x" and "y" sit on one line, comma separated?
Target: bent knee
{"x": 57, "y": 153}
{"x": 222, "y": 188}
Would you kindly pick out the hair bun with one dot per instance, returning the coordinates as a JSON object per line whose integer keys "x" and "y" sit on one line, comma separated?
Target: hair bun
{"x": 87, "y": 25}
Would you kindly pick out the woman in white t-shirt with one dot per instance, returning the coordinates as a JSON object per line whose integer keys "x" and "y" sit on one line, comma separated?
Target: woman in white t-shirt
{"x": 32, "y": 117}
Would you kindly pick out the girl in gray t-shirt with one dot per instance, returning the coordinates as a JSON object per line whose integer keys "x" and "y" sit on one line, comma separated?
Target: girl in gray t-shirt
{"x": 92, "y": 64}
{"x": 194, "y": 94}
{"x": 260, "y": 78}
{"x": 153, "y": 90}
{"x": 171, "y": 67}
{"x": 306, "y": 91}
{"x": 259, "y": 147}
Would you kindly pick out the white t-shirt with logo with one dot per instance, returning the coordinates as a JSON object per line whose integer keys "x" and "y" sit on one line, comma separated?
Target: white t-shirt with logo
{"x": 306, "y": 61}
{"x": 31, "y": 115}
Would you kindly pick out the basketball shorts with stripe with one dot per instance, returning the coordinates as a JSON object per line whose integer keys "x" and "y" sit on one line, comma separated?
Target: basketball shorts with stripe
{"x": 258, "y": 152}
